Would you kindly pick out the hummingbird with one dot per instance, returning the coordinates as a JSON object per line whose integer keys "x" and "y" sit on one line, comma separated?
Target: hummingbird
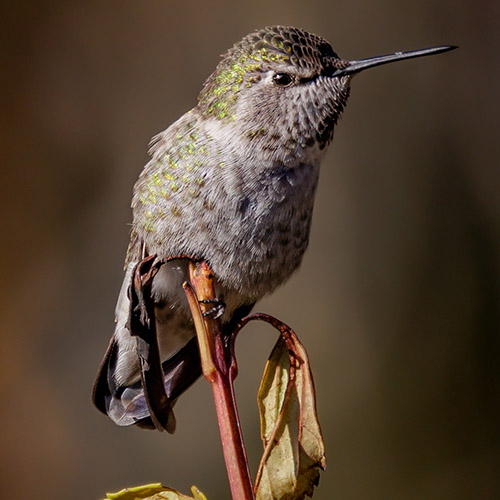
{"x": 232, "y": 183}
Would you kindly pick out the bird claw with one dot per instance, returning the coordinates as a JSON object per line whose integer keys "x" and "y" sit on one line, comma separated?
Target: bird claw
{"x": 217, "y": 310}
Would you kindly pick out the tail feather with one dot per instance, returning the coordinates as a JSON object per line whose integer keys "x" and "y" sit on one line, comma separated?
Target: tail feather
{"x": 127, "y": 405}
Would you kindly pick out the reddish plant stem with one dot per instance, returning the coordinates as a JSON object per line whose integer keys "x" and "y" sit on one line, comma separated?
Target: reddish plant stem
{"x": 220, "y": 370}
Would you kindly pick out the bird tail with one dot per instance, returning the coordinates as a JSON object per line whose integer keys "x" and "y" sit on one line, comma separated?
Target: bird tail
{"x": 127, "y": 405}
{"x": 133, "y": 385}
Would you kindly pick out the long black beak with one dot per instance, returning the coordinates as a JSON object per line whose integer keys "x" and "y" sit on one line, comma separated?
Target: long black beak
{"x": 357, "y": 66}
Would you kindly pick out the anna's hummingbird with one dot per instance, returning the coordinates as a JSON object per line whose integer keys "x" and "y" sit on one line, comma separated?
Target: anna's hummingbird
{"x": 232, "y": 183}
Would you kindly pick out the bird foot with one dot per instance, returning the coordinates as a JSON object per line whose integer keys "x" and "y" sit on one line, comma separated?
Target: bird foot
{"x": 218, "y": 309}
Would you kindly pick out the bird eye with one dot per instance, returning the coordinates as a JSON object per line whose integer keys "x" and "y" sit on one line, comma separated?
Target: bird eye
{"x": 282, "y": 79}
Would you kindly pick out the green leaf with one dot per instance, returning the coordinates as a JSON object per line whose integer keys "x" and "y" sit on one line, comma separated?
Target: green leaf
{"x": 154, "y": 491}
{"x": 294, "y": 450}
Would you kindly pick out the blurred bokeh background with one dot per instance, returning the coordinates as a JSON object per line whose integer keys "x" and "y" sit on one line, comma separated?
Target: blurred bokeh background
{"x": 398, "y": 298}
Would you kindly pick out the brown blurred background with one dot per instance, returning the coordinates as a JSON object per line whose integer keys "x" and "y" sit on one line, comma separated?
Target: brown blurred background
{"x": 398, "y": 298}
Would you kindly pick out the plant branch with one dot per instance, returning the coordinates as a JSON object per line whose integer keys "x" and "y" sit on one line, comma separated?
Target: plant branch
{"x": 220, "y": 370}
